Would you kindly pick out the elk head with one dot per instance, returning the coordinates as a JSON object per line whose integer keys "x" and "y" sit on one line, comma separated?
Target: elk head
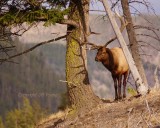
{"x": 101, "y": 54}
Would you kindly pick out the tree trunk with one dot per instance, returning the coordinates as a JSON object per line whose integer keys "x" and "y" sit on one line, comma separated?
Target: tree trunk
{"x": 140, "y": 85}
{"x": 81, "y": 96}
{"x": 133, "y": 41}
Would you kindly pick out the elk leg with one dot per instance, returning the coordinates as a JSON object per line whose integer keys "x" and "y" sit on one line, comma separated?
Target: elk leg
{"x": 119, "y": 86}
{"x": 115, "y": 87}
{"x": 124, "y": 84}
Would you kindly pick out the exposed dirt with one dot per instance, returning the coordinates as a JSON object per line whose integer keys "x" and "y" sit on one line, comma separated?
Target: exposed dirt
{"x": 141, "y": 112}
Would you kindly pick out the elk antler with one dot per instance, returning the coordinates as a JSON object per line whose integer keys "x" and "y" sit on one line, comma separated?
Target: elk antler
{"x": 93, "y": 46}
{"x": 123, "y": 25}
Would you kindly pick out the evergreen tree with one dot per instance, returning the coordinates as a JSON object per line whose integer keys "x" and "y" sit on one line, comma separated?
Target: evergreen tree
{"x": 1, "y": 123}
{"x": 25, "y": 117}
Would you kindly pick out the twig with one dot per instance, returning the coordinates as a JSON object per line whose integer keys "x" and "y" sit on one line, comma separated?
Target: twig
{"x": 138, "y": 123}
{"x": 145, "y": 121}
{"x": 154, "y": 114}
{"x": 97, "y": 10}
{"x": 129, "y": 112}
{"x": 141, "y": 118}
{"x": 149, "y": 45}
{"x": 147, "y": 35}
{"x": 64, "y": 81}
{"x": 150, "y": 113}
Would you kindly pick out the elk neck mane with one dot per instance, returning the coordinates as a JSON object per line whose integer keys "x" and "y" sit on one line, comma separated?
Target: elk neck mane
{"x": 110, "y": 65}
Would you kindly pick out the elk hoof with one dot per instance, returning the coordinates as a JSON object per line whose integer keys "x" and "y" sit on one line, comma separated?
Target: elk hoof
{"x": 124, "y": 96}
{"x": 116, "y": 99}
{"x": 120, "y": 97}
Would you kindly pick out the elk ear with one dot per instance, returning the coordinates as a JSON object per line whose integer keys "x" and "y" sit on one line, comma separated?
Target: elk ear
{"x": 107, "y": 49}
{"x": 100, "y": 49}
{"x": 104, "y": 49}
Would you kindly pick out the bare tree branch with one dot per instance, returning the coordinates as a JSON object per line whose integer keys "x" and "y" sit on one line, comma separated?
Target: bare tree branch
{"x": 145, "y": 4}
{"x": 32, "y": 48}
{"x": 65, "y": 21}
{"x": 114, "y": 4}
{"x": 69, "y": 22}
{"x": 92, "y": 10}
{"x": 147, "y": 35}
{"x": 149, "y": 45}
{"x": 150, "y": 29}
{"x": 140, "y": 14}
{"x": 22, "y": 30}
{"x": 145, "y": 27}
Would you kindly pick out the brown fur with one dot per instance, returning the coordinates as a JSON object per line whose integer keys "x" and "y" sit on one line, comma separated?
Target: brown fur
{"x": 115, "y": 61}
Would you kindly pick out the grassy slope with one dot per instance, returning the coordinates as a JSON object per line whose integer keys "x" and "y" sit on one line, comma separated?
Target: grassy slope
{"x": 131, "y": 113}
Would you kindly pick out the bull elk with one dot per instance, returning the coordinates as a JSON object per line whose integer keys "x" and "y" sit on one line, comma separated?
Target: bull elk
{"x": 114, "y": 60}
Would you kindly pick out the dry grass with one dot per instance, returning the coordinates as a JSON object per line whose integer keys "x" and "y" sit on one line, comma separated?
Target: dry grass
{"x": 52, "y": 118}
{"x": 142, "y": 112}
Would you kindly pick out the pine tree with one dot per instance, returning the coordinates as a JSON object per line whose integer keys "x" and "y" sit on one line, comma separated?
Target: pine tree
{"x": 1, "y": 123}
{"x": 25, "y": 117}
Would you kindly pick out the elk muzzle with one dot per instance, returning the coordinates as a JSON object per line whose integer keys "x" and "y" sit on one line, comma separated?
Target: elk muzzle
{"x": 96, "y": 59}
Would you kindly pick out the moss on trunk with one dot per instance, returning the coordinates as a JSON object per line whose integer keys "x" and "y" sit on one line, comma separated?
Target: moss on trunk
{"x": 81, "y": 96}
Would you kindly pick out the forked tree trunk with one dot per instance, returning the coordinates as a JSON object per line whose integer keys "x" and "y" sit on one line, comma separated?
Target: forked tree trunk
{"x": 133, "y": 41}
{"x": 81, "y": 96}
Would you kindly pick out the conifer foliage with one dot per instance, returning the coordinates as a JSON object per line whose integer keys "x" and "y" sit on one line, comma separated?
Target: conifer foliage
{"x": 19, "y": 11}
{"x": 25, "y": 117}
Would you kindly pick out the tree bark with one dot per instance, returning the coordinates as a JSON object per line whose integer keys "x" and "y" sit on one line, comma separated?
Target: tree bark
{"x": 132, "y": 40}
{"x": 81, "y": 96}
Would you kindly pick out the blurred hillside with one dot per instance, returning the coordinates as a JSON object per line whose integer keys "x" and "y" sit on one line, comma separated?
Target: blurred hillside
{"x": 33, "y": 77}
